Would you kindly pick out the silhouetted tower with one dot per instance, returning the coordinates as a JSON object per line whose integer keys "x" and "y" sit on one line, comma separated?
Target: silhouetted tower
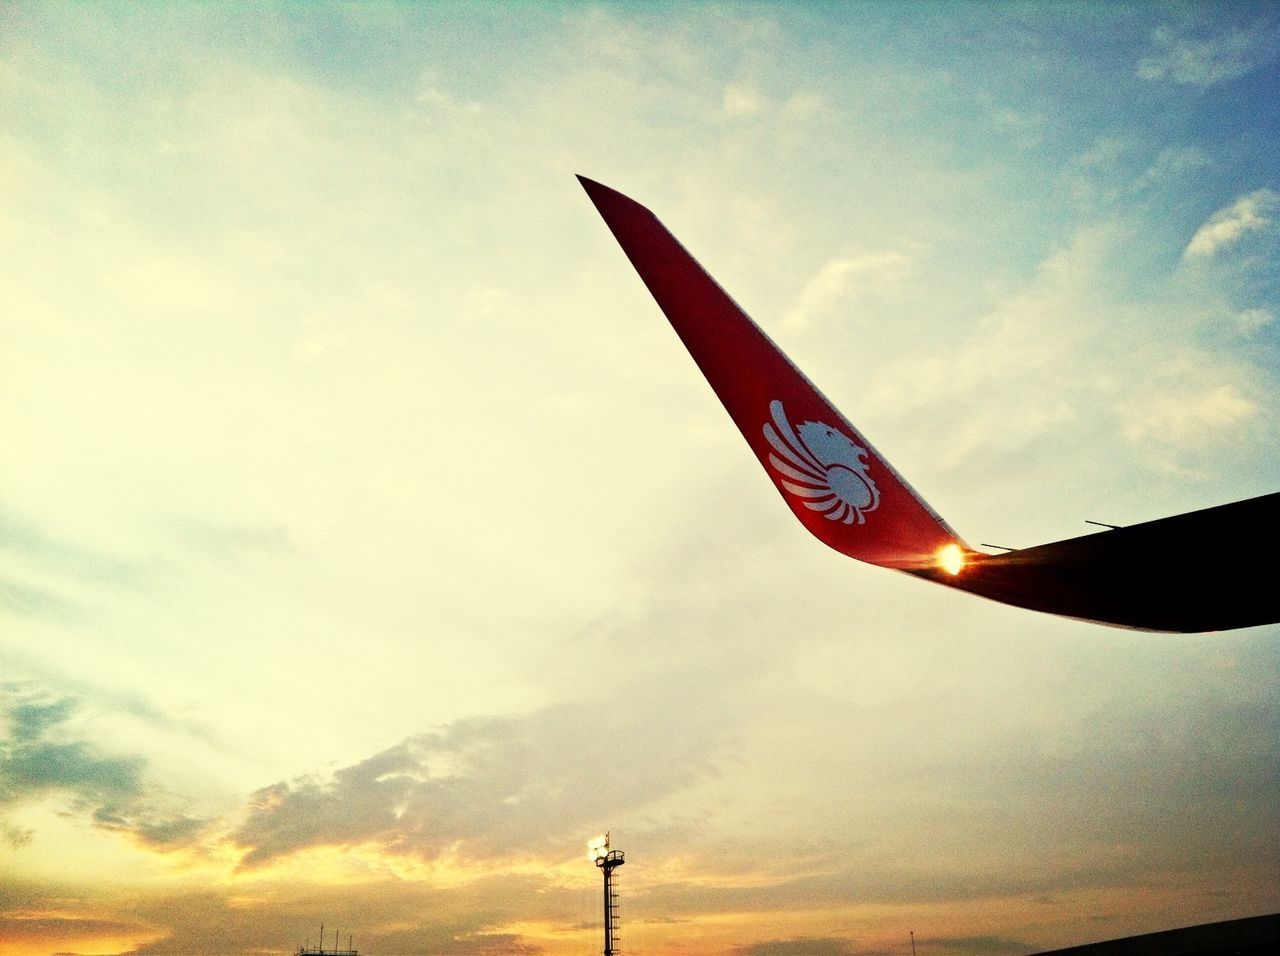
{"x": 608, "y": 861}
{"x": 336, "y": 951}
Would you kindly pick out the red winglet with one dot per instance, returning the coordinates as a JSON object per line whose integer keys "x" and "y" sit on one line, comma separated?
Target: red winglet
{"x": 832, "y": 478}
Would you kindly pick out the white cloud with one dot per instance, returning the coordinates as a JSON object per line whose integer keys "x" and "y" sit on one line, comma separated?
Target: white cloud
{"x": 1025, "y": 129}
{"x": 1022, "y": 364}
{"x": 741, "y": 100}
{"x": 803, "y": 105}
{"x": 1064, "y": 366}
{"x": 431, "y": 95}
{"x": 1203, "y": 62}
{"x": 843, "y": 277}
{"x": 1186, "y": 415}
{"x": 1171, "y": 164}
{"x": 1251, "y": 320}
{"x": 1247, "y": 214}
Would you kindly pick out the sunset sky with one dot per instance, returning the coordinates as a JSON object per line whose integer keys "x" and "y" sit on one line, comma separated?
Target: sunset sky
{"x": 368, "y": 542}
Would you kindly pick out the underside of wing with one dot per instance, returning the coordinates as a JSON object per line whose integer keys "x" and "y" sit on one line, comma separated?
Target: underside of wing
{"x": 1200, "y": 571}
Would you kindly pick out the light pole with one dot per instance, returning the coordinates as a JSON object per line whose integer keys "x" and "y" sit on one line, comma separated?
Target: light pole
{"x": 608, "y": 860}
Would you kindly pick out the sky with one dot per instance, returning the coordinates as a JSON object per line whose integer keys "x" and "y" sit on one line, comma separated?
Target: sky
{"x": 368, "y": 542}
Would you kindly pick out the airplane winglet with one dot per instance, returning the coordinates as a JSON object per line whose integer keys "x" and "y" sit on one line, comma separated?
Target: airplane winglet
{"x": 835, "y": 482}
{"x": 1158, "y": 575}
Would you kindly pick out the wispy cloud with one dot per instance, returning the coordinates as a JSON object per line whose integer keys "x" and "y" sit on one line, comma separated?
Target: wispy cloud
{"x": 1205, "y": 61}
{"x": 17, "y": 836}
{"x": 26, "y": 600}
{"x": 1227, "y": 226}
{"x": 1250, "y": 321}
{"x": 1172, "y": 165}
{"x": 742, "y": 100}
{"x": 841, "y": 279}
{"x": 1187, "y": 413}
{"x": 33, "y": 763}
{"x": 431, "y": 94}
{"x": 42, "y": 756}
{"x": 1018, "y": 373}
{"x": 41, "y": 575}
{"x": 476, "y": 789}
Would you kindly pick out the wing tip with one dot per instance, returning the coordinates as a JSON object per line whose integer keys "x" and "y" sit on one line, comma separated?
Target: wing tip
{"x": 609, "y": 201}
{"x": 592, "y": 187}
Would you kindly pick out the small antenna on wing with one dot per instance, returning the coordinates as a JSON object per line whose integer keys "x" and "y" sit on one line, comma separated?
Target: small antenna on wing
{"x": 1103, "y": 524}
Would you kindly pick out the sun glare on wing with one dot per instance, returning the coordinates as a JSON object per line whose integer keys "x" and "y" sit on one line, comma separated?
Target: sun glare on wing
{"x": 951, "y": 558}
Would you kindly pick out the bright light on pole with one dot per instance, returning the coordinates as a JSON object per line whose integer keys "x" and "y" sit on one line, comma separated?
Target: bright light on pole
{"x": 598, "y": 848}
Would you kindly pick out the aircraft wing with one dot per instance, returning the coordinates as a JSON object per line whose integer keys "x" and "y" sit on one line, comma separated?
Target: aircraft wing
{"x": 1193, "y": 572}
{"x": 1200, "y": 571}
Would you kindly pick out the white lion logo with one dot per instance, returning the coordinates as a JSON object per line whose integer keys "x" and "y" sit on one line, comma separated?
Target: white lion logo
{"x": 825, "y": 467}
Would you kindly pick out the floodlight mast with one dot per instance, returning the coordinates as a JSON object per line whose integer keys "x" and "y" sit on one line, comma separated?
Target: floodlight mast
{"x": 608, "y": 860}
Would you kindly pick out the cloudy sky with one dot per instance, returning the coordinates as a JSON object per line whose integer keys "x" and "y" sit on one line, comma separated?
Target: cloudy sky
{"x": 368, "y": 542}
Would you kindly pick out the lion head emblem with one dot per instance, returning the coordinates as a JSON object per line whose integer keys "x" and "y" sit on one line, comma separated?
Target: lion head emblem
{"x": 823, "y": 466}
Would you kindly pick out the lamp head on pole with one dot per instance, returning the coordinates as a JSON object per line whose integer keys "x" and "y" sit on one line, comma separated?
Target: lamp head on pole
{"x": 598, "y": 848}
